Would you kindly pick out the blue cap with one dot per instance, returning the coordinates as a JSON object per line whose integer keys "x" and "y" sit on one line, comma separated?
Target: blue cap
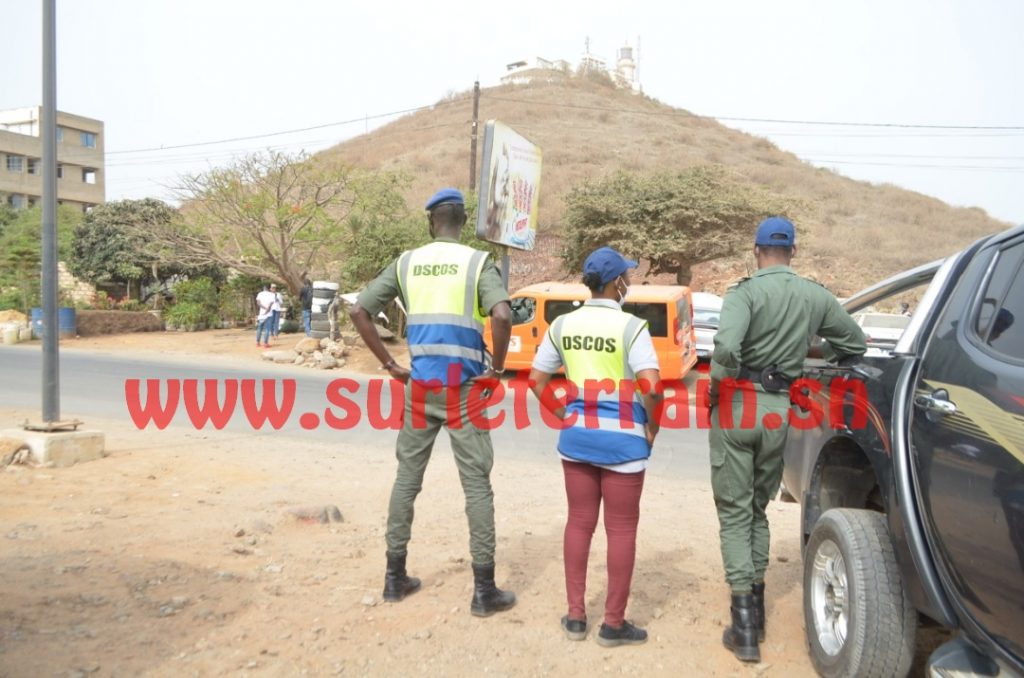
{"x": 445, "y": 196}
{"x": 608, "y": 263}
{"x": 777, "y": 232}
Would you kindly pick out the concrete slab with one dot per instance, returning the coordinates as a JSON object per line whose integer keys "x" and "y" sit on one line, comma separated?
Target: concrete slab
{"x": 60, "y": 448}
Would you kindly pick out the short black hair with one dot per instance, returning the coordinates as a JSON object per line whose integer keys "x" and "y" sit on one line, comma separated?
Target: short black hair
{"x": 449, "y": 214}
{"x": 779, "y": 251}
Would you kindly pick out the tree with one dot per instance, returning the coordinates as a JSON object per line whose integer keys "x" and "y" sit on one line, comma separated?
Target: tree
{"x": 110, "y": 244}
{"x": 673, "y": 220}
{"x": 21, "y": 253}
{"x": 276, "y": 215}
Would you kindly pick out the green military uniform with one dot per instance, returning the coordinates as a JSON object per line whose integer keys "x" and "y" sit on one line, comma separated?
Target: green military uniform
{"x": 766, "y": 320}
{"x": 471, "y": 446}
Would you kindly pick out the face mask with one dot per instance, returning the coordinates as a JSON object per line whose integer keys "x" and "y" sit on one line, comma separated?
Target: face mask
{"x": 622, "y": 292}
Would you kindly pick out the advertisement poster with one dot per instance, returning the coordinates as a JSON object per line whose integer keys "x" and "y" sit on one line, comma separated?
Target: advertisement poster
{"x": 509, "y": 188}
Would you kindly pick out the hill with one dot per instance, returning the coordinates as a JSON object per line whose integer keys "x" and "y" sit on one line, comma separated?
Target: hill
{"x": 850, "y": 233}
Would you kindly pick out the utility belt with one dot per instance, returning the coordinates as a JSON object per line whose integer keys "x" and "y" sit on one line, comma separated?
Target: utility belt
{"x": 771, "y": 378}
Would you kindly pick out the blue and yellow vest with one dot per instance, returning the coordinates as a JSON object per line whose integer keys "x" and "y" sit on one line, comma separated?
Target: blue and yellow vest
{"x": 439, "y": 283}
{"x": 594, "y": 343}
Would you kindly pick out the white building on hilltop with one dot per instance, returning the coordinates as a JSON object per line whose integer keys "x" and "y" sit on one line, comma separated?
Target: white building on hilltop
{"x": 625, "y": 74}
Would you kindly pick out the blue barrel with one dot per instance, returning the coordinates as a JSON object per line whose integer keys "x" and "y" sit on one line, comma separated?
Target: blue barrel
{"x": 36, "y": 322}
{"x": 67, "y": 322}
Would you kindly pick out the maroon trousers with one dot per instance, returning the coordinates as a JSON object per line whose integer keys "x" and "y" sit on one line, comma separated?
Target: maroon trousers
{"x": 586, "y": 487}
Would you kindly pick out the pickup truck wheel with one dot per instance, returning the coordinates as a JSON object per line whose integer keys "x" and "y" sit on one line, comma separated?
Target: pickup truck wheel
{"x": 857, "y": 617}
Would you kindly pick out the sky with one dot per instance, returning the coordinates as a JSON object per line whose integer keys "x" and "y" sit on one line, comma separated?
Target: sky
{"x": 166, "y": 73}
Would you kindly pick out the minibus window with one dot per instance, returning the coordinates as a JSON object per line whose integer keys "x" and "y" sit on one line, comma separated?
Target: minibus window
{"x": 656, "y": 316}
{"x": 557, "y": 307}
{"x": 523, "y": 309}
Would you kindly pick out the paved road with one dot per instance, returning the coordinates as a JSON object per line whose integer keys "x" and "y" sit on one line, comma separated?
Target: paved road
{"x": 94, "y": 385}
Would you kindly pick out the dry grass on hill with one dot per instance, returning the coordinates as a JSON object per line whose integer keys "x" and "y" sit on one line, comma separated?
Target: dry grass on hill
{"x": 852, "y": 233}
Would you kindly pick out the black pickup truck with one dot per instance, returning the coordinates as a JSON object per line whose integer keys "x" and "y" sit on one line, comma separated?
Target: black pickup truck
{"x": 911, "y": 476}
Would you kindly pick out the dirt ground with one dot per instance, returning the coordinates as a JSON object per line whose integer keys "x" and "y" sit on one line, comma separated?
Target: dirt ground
{"x": 177, "y": 554}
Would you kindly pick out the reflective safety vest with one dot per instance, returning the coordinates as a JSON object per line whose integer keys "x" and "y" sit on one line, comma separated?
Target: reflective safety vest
{"x": 594, "y": 343}
{"x": 439, "y": 283}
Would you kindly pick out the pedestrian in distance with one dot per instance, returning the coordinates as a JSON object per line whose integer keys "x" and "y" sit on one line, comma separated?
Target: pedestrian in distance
{"x": 306, "y": 302}
{"x": 766, "y": 326}
{"x": 448, "y": 289}
{"x": 275, "y": 311}
{"x": 604, "y": 462}
{"x": 264, "y": 315}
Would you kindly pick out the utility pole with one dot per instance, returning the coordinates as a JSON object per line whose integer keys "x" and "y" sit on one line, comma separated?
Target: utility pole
{"x": 48, "y": 130}
{"x": 472, "y": 138}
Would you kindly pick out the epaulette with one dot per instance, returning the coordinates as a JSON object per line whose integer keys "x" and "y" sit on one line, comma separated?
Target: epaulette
{"x": 737, "y": 283}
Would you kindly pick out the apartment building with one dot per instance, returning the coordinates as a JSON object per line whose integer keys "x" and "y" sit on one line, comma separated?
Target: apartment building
{"x": 80, "y": 173}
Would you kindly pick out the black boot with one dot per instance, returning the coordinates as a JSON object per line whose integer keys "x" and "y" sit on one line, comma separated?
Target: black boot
{"x": 757, "y": 590}
{"x": 741, "y": 637}
{"x": 397, "y": 584}
{"x": 488, "y": 598}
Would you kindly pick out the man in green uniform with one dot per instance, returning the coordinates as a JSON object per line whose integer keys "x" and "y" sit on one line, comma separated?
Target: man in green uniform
{"x": 448, "y": 289}
{"x": 767, "y": 324}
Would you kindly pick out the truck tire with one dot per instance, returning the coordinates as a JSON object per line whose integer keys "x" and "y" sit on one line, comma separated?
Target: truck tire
{"x": 320, "y": 325}
{"x": 857, "y": 617}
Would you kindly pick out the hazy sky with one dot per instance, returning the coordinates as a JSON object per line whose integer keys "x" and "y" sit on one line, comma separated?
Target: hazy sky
{"x": 162, "y": 73}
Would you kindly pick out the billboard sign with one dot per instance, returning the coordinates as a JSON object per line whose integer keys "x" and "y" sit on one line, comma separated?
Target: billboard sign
{"x": 509, "y": 188}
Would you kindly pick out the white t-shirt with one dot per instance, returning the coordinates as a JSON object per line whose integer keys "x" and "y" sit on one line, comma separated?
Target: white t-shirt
{"x": 264, "y": 301}
{"x": 641, "y": 357}
{"x": 278, "y": 300}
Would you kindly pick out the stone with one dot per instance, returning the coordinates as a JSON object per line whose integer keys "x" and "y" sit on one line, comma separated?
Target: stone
{"x": 324, "y": 342}
{"x": 349, "y": 338}
{"x": 240, "y": 532}
{"x": 13, "y": 451}
{"x": 327, "y": 362}
{"x": 317, "y": 514}
{"x": 285, "y": 356}
{"x": 317, "y": 355}
{"x": 299, "y": 360}
{"x": 307, "y": 345}
{"x": 60, "y": 448}
{"x": 385, "y": 333}
{"x": 369, "y": 601}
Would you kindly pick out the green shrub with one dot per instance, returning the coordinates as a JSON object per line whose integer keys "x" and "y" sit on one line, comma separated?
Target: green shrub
{"x": 186, "y": 314}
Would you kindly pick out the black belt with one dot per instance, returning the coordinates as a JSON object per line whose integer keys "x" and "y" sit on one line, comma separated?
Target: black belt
{"x": 770, "y": 378}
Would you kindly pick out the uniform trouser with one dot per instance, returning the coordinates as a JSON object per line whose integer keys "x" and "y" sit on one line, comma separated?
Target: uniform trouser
{"x": 746, "y": 469}
{"x": 587, "y": 487}
{"x": 474, "y": 457}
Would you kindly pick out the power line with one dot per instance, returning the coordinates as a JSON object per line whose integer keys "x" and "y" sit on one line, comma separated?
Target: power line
{"x": 1017, "y": 128}
{"x": 283, "y": 132}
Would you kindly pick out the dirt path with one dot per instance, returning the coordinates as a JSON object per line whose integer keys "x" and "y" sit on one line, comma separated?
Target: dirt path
{"x": 131, "y": 565}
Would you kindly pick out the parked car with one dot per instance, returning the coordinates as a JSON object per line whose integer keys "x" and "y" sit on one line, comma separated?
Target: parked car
{"x": 912, "y": 486}
{"x": 666, "y": 308}
{"x": 707, "y": 308}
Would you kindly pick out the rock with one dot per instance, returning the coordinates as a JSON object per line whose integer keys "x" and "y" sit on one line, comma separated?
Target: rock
{"x": 369, "y": 601}
{"x": 285, "y": 356}
{"x": 317, "y": 514}
{"x": 350, "y": 338}
{"x": 274, "y": 569}
{"x": 13, "y": 451}
{"x": 385, "y": 333}
{"x": 658, "y": 613}
{"x": 327, "y": 362}
{"x": 299, "y": 360}
{"x": 307, "y": 345}
{"x": 422, "y": 635}
{"x": 242, "y": 551}
{"x": 317, "y": 355}
{"x": 239, "y": 532}
{"x": 324, "y": 342}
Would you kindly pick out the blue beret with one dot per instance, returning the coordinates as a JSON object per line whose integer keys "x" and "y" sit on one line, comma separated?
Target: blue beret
{"x": 445, "y": 196}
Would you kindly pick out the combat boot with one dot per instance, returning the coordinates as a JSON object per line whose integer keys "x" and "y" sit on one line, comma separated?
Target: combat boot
{"x": 398, "y": 584}
{"x": 488, "y": 598}
{"x": 741, "y": 637}
{"x": 757, "y": 590}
